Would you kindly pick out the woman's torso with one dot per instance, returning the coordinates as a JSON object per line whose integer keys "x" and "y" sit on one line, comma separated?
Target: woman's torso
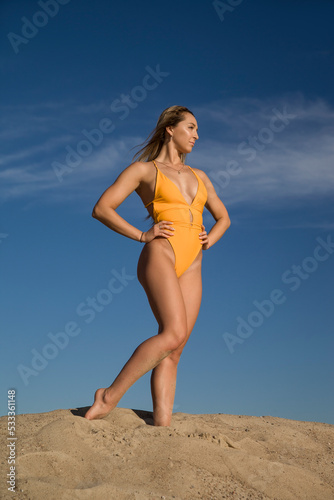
{"x": 169, "y": 195}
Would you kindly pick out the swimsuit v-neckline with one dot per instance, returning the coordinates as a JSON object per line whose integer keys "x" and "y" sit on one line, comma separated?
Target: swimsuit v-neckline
{"x": 169, "y": 204}
{"x": 179, "y": 190}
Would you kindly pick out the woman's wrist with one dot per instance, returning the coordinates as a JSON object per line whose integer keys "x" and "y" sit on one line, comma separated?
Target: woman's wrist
{"x": 141, "y": 237}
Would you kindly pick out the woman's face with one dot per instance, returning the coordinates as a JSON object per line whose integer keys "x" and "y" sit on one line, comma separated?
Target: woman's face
{"x": 185, "y": 133}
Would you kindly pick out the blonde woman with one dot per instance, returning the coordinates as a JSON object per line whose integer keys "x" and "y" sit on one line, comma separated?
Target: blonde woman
{"x": 169, "y": 266}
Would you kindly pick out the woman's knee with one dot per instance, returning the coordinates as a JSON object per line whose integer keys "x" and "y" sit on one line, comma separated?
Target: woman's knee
{"x": 175, "y": 337}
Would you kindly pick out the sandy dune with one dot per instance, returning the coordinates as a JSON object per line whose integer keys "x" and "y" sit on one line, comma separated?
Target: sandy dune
{"x": 61, "y": 455}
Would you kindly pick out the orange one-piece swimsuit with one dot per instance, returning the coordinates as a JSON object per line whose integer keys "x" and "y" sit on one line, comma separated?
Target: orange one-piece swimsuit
{"x": 169, "y": 204}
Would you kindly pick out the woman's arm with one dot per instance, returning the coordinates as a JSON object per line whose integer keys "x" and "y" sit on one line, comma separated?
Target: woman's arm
{"x": 218, "y": 211}
{"x": 105, "y": 209}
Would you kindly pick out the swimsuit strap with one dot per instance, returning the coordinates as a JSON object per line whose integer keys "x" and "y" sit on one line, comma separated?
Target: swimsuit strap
{"x": 155, "y": 184}
{"x": 193, "y": 171}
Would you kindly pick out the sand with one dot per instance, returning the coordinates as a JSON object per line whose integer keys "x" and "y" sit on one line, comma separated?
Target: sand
{"x": 61, "y": 455}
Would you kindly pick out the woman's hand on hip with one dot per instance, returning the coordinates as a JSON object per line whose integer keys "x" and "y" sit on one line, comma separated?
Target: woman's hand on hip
{"x": 204, "y": 239}
{"x": 162, "y": 228}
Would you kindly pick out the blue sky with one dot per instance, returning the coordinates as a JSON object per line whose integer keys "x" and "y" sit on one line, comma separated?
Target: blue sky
{"x": 82, "y": 84}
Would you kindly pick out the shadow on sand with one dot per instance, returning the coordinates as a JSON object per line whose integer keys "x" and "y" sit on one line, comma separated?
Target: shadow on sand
{"x": 147, "y": 416}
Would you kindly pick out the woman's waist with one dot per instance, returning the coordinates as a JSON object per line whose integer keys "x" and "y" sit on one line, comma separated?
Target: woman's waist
{"x": 181, "y": 223}
{"x": 181, "y": 218}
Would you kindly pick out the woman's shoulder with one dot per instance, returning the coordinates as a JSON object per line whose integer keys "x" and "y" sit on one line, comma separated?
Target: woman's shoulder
{"x": 141, "y": 168}
{"x": 144, "y": 166}
{"x": 200, "y": 174}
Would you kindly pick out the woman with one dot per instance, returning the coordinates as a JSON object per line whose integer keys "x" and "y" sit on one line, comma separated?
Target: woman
{"x": 169, "y": 266}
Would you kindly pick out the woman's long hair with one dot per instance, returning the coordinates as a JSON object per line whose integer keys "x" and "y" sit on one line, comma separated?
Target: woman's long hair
{"x": 170, "y": 117}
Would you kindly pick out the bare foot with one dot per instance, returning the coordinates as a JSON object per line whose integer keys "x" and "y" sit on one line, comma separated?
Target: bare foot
{"x": 101, "y": 407}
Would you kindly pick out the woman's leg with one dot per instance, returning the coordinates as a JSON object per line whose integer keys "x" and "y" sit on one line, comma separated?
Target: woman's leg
{"x": 163, "y": 378}
{"x": 157, "y": 275}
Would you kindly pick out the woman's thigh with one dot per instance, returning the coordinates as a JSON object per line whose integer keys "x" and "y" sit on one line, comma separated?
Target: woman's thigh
{"x": 156, "y": 273}
{"x": 191, "y": 288}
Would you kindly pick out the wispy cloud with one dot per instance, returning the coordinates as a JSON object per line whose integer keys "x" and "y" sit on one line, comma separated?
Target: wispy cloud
{"x": 38, "y": 178}
{"x": 294, "y": 164}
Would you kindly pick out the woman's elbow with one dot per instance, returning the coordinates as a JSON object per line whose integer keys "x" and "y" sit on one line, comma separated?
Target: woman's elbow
{"x": 96, "y": 213}
{"x": 101, "y": 211}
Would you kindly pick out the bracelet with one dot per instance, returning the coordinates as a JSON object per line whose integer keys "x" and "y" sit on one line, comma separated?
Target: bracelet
{"x": 141, "y": 237}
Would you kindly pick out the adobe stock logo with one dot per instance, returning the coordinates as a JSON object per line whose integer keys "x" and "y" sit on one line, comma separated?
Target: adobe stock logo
{"x": 87, "y": 309}
{"x": 293, "y": 277}
{"x": 40, "y": 19}
{"x": 93, "y": 138}
{"x": 254, "y": 145}
{"x": 3, "y": 236}
{"x": 222, "y": 7}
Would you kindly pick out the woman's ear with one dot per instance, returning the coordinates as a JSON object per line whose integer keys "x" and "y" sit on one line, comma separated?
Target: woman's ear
{"x": 169, "y": 131}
